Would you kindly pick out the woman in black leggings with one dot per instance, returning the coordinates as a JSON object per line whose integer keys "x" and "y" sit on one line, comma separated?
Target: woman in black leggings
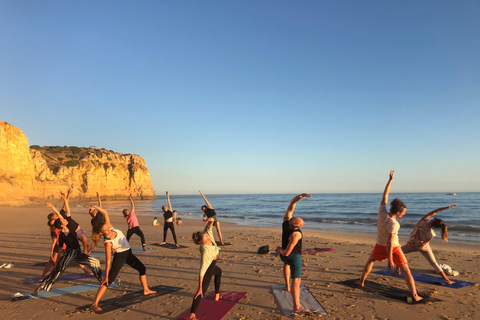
{"x": 208, "y": 268}
{"x": 168, "y": 217}
{"x": 116, "y": 241}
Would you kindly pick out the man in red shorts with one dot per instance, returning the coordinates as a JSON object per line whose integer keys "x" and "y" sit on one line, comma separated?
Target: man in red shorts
{"x": 387, "y": 246}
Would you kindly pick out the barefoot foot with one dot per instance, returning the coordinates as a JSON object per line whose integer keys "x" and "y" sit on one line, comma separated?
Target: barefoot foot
{"x": 217, "y": 296}
{"x": 147, "y": 292}
{"x": 301, "y": 310}
{"x": 162, "y": 243}
{"x": 286, "y": 289}
{"x": 359, "y": 283}
{"x": 95, "y": 308}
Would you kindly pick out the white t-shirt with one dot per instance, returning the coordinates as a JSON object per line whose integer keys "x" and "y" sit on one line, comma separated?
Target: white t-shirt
{"x": 385, "y": 226}
{"x": 119, "y": 243}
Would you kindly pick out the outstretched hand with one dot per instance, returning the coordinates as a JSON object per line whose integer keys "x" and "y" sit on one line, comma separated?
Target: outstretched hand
{"x": 49, "y": 205}
{"x": 452, "y": 206}
{"x": 305, "y": 195}
{"x": 391, "y": 174}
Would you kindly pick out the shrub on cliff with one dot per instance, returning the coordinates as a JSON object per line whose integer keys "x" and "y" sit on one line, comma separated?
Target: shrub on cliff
{"x": 72, "y": 163}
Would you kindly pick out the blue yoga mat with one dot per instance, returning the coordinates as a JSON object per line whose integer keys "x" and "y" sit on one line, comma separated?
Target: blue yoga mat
{"x": 428, "y": 279}
{"x": 140, "y": 250}
{"x": 64, "y": 290}
{"x": 134, "y": 249}
{"x": 65, "y": 277}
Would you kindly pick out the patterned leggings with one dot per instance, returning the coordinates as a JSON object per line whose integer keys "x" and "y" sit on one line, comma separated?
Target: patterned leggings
{"x": 68, "y": 257}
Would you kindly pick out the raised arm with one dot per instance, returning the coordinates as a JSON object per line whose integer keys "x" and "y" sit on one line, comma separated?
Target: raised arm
{"x": 49, "y": 205}
{"x": 206, "y": 201}
{"x": 105, "y": 214}
{"x": 99, "y": 200}
{"x": 291, "y": 207}
{"x": 131, "y": 201}
{"x": 65, "y": 203}
{"x": 169, "y": 204}
{"x": 434, "y": 212}
{"x": 387, "y": 188}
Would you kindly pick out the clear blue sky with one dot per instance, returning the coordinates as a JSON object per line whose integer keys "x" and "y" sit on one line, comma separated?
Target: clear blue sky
{"x": 254, "y": 96}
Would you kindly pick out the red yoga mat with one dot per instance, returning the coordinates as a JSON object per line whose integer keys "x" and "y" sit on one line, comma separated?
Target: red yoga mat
{"x": 209, "y": 309}
{"x": 315, "y": 250}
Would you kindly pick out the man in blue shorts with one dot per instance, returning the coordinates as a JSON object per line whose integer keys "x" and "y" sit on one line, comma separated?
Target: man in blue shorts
{"x": 291, "y": 252}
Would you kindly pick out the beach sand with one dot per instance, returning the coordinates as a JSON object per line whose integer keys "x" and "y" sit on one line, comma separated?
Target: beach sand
{"x": 25, "y": 240}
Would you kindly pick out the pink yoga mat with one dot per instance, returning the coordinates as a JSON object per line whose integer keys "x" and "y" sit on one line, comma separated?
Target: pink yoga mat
{"x": 209, "y": 309}
{"x": 315, "y": 250}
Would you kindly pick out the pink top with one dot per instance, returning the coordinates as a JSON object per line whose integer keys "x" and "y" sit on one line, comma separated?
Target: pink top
{"x": 132, "y": 220}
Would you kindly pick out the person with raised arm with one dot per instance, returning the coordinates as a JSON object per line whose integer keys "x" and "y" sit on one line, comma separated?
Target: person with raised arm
{"x": 291, "y": 252}
{"x": 96, "y": 218}
{"x": 209, "y": 212}
{"x": 168, "y": 217}
{"x": 208, "y": 268}
{"x": 387, "y": 246}
{"x": 116, "y": 242}
{"x": 132, "y": 221}
{"x": 421, "y": 236}
{"x": 68, "y": 239}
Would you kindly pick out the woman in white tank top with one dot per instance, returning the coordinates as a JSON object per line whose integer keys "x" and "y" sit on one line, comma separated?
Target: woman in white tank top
{"x": 116, "y": 242}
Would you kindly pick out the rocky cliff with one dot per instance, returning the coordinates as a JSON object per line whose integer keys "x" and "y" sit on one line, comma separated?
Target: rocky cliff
{"x": 30, "y": 175}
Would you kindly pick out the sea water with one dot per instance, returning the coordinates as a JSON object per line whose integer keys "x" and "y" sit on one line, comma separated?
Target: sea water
{"x": 353, "y": 213}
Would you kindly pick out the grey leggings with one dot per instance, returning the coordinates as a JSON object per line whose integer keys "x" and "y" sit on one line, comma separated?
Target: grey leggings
{"x": 428, "y": 254}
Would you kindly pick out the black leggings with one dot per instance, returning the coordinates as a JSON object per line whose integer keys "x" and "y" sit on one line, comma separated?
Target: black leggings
{"x": 166, "y": 226}
{"x": 212, "y": 270}
{"x": 119, "y": 259}
{"x": 138, "y": 232}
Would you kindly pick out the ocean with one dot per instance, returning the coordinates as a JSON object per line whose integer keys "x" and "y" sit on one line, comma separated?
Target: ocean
{"x": 353, "y": 213}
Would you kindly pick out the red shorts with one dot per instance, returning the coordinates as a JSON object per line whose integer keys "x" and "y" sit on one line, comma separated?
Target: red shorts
{"x": 380, "y": 253}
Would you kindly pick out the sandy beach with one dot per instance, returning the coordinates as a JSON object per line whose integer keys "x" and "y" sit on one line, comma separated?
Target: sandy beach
{"x": 25, "y": 241}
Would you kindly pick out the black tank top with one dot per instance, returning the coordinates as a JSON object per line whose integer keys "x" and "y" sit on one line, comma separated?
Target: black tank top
{"x": 167, "y": 215}
{"x": 298, "y": 247}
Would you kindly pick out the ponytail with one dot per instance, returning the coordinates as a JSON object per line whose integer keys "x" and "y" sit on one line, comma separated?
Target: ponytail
{"x": 96, "y": 230}
{"x": 438, "y": 223}
{"x": 444, "y": 233}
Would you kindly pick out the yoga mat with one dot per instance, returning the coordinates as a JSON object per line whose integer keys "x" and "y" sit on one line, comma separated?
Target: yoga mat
{"x": 130, "y": 298}
{"x": 98, "y": 254}
{"x": 426, "y": 278}
{"x": 169, "y": 246}
{"x": 225, "y": 244}
{"x": 65, "y": 277}
{"x": 140, "y": 250}
{"x": 315, "y": 250}
{"x": 209, "y": 309}
{"x": 61, "y": 291}
{"x": 384, "y": 290}
{"x": 285, "y": 301}
{"x": 134, "y": 249}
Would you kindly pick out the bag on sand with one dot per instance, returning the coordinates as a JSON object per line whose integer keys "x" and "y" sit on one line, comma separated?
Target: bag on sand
{"x": 263, "y": 250}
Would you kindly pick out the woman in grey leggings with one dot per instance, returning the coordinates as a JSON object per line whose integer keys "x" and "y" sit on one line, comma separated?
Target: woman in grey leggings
{"x": 421, "y": 236}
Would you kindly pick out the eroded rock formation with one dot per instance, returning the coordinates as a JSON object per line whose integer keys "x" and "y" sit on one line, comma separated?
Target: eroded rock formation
{"x": 34, "y": 174}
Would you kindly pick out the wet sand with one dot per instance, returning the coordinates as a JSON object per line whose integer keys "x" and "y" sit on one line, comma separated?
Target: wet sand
{"x": 25, "y": 240}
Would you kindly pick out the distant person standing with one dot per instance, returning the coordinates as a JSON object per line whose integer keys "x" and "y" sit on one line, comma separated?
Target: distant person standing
{"x": 133, "y": 226}
{"x": 387, "y": 246}
{"x": 168, "y": 217}
{"x": 209, "y": 212}
{"x": 291, "y": 252}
